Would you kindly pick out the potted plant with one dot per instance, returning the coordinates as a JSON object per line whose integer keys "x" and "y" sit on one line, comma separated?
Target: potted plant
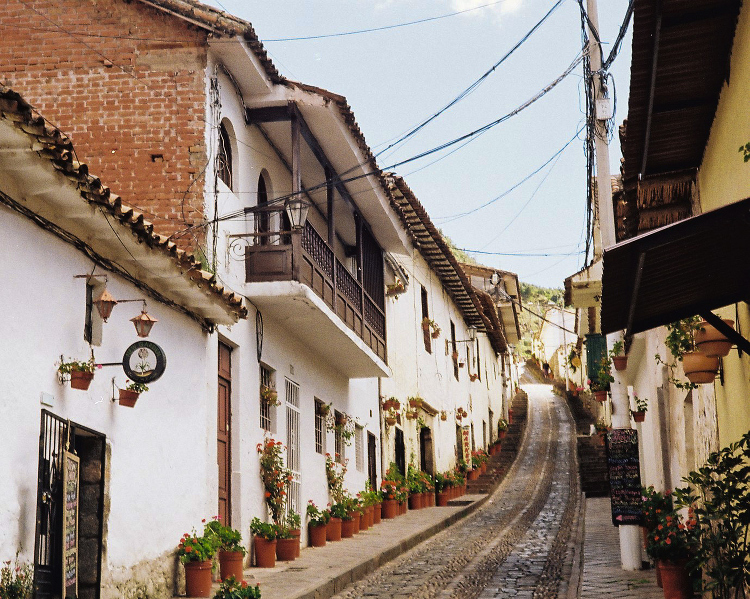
{"x": 502, "y": 427}
{"x": 16, "y": 580}
{"x": 672, "y": 544}
{"x": 432, "y": 326}
{"x": 129, "y": 395}
{"x": 196, "y": 554}
{"x": 389, "y": 489}
{"x": 719, "y": 497}
{"x": 285, "y": 544}
{"x": 473, "y": 377}
{"x": 710, "y": 342}
{"x": 317, "y": 521}
{"x": 275, "y": 477}
{"x": 415, "y": 402}
{"x": 443, "y": 415}
{"x": 79, "y": 373}
{"x": 395, "y": 289}
{"x": 269, "y": 395}
{"x": 391, "y": 416}
{"x": 411, "y": 414}
{"x": 618, "y": 355}
{"x": 294, "y": 523}
{"x": 698, "y": 368}
{"x": 602, "y": 379}
{"x": 235, "y": 589}
{"x": 333, "y": 528}
{"x": 601, "y": 428}
{"x": 641, "y": 405}
{"x": 231, "y": 550}
{"x": 322, "y": 409}
{"x": 264, "y": 540}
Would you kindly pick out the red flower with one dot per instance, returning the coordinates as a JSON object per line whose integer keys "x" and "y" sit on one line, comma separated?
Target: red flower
{"x": 188, "y": 549}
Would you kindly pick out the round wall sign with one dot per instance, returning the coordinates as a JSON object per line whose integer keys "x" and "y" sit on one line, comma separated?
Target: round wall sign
{"x": 144, "y": 362}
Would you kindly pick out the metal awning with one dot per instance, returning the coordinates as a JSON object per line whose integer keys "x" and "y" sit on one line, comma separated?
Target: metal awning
{"x": 687, "y": 268}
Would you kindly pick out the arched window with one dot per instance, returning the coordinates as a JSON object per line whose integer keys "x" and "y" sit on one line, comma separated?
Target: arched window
{"x": 224, "y": 166}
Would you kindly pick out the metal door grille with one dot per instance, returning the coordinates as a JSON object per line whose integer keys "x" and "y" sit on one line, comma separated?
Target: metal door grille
{"x": 293, "y": 444}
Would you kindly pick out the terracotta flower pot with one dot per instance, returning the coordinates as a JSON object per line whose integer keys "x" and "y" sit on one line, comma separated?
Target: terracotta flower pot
{"x": 377, "y": 511}
{"x": 286, "y": 549}
{"x": 231, "y": 563}
{"x": 415, "y": 501}
{"x": 364, "y": 522}
{"x": 128, "y": 398}
{"x": 347, "y": 529}
{"x": 675, "y": 579}
{"x": 710, "y": 341}
{"x": 402, "y": 506}
{"x": 198, "y": 579}
{"x": 296, "y": 533}
{"x": 389, "y": 509}
{"x": 600, "y": 396}
{"x": 80, "y": 379}
{"x": 317, "y": 535}
{"x": 472, "y": 474}
{"x": 356, "y": 519}
{"x": 442, "y": 499}
{"x": 639, "y": 416}
{"x": 333, "y": 529}
{"x": 699, "y": 368}
{"x": 620, "y": 362}
{"x": 390, "y": 420}
{"x": 265, "y": 552}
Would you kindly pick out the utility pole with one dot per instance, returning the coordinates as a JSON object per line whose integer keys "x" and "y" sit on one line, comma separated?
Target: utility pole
{"x": 630, "y": 535}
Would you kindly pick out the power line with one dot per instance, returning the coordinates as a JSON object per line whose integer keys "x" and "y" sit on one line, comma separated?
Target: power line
{"x": 475, "y": 84}
{"x": 383, "y": 28}
{"x": 454, "y": 217}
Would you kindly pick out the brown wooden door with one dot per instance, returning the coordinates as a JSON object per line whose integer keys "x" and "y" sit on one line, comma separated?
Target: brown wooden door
{"x": 223, "y": 433}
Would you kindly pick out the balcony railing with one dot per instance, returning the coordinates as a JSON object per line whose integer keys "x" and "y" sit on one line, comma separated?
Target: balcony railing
{"x": 305, "y": 257}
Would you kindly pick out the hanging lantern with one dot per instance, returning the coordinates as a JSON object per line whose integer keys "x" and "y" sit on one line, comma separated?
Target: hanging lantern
{"x": 104, "y": 304}
{"x": 143, "y": 323}
{"x": 296, "y": 210}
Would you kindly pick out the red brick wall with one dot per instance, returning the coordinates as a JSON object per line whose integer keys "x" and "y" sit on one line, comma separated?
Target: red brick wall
{"x": 134, "y": 108}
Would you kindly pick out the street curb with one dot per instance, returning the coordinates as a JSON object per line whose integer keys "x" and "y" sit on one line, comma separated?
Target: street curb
{"x": 576, "y": 575}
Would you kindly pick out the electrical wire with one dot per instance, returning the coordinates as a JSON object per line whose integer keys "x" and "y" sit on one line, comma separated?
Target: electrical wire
{"x": 453, "y": 217}
{"x": 475, "y": 84}
{"x": 383, "y": 28}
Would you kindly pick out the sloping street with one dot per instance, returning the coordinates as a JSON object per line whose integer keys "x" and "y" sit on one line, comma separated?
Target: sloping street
{"x": 514, "y": 546}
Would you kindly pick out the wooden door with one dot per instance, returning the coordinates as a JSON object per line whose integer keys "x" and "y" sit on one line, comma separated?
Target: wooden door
{"x": 224, "y": 433}
{"x": 372, "y": 468}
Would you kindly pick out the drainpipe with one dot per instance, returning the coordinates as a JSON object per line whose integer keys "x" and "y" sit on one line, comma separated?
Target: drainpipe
{"x": 630, "y": 535}
{"x": 382, "y": 434}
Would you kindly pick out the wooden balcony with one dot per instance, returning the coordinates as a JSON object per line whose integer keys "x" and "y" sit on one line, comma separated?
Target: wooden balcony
{"x": 304, "y": 256}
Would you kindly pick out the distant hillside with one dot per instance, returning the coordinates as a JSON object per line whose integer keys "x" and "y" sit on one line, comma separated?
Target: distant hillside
{"x": 536, "y": 299}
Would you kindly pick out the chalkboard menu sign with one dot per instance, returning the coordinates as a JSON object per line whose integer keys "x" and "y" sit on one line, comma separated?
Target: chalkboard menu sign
{"x": 624, "y": 476}
{"x": 71, "y": 466}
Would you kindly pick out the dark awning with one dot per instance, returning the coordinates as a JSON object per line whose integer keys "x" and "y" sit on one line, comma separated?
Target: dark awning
{"x": 687, "y": 268}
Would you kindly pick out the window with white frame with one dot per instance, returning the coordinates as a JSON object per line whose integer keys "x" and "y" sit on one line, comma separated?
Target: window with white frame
{"x": 340, "y": 443}
{"x": 320, "y": 426}
{"x": 266, "y": 382}
{"x": 359, "y": 447}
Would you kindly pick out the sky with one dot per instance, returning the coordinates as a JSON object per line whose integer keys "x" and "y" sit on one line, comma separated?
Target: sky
{"x": 397, "y": 77}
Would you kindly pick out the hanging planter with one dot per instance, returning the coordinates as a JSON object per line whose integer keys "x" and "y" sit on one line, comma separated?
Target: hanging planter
{"x": 411, "y": 414}
{"x": 415, "y": 402}
{"x": 128, "y": 398}
{"x": 390, "y": 420}
{"x": 699, "y": 368}
{"x": 473, "y": 377}
{"x": 638, "y": 416}
{"x": 443, "y": 415}
{"x": 79, "y": 373}
{"x": 710, "y": 341}
{"x": 600, "y": 396}
{"x": 620, "y": 362}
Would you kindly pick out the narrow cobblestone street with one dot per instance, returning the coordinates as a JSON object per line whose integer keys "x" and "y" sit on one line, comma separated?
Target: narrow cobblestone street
{"x": 515, "y": 544}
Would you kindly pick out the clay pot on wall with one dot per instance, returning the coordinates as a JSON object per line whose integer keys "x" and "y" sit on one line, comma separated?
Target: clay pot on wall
{"x": 711, "y": 342}
{"x": 699, "y": 368}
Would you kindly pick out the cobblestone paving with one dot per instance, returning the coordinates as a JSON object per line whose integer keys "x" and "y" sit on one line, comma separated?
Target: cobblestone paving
{"x": 515, "y": 544}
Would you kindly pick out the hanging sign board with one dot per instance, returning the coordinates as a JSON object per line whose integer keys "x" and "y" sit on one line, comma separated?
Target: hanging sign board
{"x": 624, "y": 476}
{"x": 71, "y": 467}
{"x": 144, "y": 362}
{"x": 466, "y": 444}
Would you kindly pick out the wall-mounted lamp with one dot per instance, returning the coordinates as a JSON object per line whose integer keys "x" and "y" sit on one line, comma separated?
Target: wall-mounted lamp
{"x": 105, "y": 303}
{"x": 143, "y": 322}
{"x": 495, "y": 278}
{"x": 296, "y": 209}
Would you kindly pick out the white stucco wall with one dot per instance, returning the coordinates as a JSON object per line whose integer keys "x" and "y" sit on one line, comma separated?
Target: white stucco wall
{"x": 161, "y": 456}
{"x": 431, "y": 375}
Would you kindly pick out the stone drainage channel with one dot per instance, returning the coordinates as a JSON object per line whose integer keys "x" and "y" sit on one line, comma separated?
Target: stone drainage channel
{"x": 515, "y": 545}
